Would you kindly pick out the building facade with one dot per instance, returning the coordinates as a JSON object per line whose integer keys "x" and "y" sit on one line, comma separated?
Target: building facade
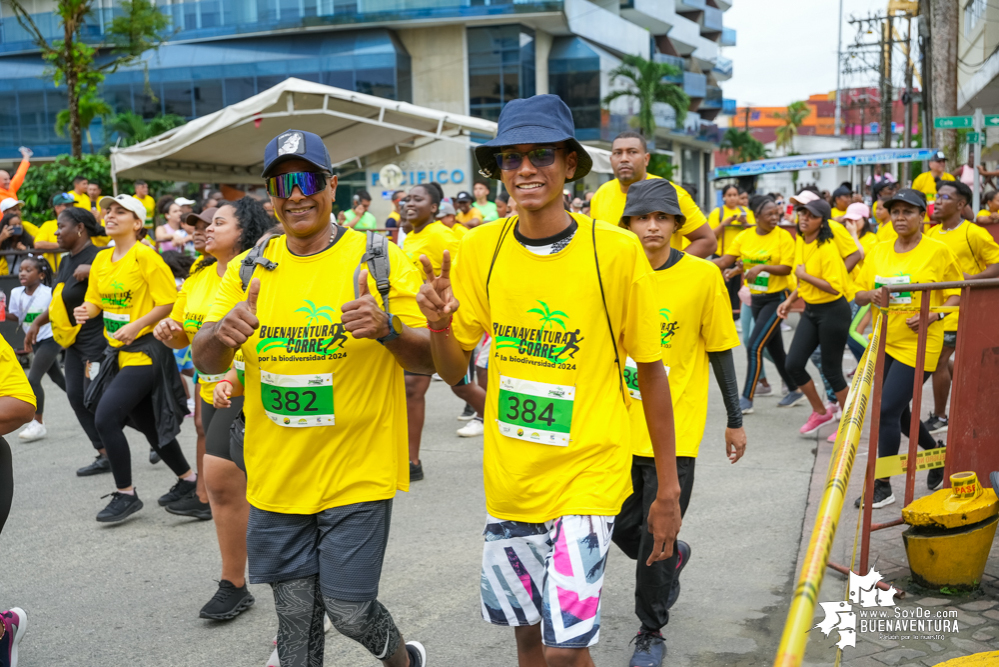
{"x": 978, "y": 65}
{"x": 465, "y": 56}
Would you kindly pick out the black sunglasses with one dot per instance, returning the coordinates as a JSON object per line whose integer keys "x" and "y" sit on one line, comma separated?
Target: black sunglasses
{"x": 539, "y": 157}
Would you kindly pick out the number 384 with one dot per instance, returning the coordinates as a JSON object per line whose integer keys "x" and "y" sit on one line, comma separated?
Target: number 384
{"x": 526, "y": 411}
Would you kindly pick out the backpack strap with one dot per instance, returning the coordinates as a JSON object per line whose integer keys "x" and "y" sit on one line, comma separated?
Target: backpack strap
{"x": 603, "y": 298}
{"x": 377, "y": 260}
{"x": 250, "y": 262}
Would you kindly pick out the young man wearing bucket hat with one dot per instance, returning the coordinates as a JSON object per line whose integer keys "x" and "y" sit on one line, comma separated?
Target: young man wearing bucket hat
{"x": 321, "y": 473}
{"x": 696, "y": 331}
{"x": 567, "y": 300}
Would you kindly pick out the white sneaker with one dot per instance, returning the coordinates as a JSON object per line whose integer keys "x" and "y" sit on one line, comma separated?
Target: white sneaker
{"x": 784, "y": 326}
{"x": 472, "y": 429}
{"x": 190, "y": 406}
{"x": 33, "y": 431}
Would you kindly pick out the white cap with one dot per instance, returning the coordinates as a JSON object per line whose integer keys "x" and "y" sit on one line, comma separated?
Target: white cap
{"x": 9, "y": 203}
{"x": 804, "y": 197}
{"x": 127, "y": 201}
{"x": 184, "y": 201}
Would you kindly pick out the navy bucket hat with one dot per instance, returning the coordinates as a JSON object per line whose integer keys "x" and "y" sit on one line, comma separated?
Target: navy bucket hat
{"x": 649, "y": 196}
{"x": 542, "y": 119}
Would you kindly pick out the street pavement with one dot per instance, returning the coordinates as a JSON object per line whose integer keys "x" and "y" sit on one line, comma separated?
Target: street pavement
{"x": 129, "y": 594}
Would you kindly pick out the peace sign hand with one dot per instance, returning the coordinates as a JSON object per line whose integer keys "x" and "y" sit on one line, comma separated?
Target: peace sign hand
{"x": 435, "y": 298}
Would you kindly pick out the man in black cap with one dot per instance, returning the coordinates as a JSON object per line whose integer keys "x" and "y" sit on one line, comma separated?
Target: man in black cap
{"x": 697, "y": 330}
{"x": 464, "y": 212}
{"x": 567, "y": 300}
{"x": 321, "y": 473}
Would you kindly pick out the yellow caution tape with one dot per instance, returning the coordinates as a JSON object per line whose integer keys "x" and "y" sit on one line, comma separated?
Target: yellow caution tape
{"x": 799, "y": 616}
{"x": 890, "y": 466}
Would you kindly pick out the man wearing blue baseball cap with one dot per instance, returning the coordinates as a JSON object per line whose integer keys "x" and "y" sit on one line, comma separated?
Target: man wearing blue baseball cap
{"x": 566, "y": 300}
{"x": 324, "y": 348}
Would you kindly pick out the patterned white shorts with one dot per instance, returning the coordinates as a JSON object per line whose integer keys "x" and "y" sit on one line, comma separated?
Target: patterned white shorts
{"x": 550, "y": 572}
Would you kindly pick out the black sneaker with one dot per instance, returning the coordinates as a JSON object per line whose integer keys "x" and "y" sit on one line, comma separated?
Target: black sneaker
{"x": 177, "y": 491}
{"x": 417, "y": 654}
{"x": 882, "y": 495}
{"x": 935, "y": 477}
{"x": 467, "y": 413}
{"x": 191, "y": 505}
{"x": 228, "y": 602}
{"x": 415, "y": 471}
{"x": 98, "y": 466}
{"x": 650, "y": 649}
{"x": 683, "y": 551}
{"x": 122, "y": 506}
{"x": 154, "y": 457}
{"x": 936, "y": 424}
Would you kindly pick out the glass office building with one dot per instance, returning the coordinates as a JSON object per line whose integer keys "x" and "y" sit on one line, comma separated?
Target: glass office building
{"x": 466, "y": 56}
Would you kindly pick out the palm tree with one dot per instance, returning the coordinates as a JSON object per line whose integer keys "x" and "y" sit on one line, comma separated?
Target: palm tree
{"x": 647, "y": 84}
{"x": 549, "y": 316}
{"x": 90, "y": 108}
{"x": 133, "y": 128}
{"x": 742, "y": 146}
{"x": 314, "y": 313}
{"x": 792, "y": 117}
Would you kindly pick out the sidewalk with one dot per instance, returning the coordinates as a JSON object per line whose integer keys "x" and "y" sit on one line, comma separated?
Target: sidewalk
{"x": 977, "y": 614}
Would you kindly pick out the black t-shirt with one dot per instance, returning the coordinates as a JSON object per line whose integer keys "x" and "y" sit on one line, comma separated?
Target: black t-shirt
{"x": 90, "y": 341}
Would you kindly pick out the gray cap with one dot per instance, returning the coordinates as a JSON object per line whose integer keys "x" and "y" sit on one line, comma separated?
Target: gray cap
{"x": 651, "y": 195}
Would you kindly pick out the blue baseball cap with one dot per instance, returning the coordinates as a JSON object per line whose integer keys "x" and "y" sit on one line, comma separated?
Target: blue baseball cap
{"x": 296, "y": 144}
{"x": 542, "y": 119}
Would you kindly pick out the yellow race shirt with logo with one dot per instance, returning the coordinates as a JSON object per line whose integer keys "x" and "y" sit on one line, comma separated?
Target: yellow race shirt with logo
{"x": 193, "y": 302}
{"x": 432, "y": 240}
{"x": 608, "y": 203}
{"x": 929, "y": 262}
{"x": 927, "y": 184}
{"x": 126, "y": 290}
{"x": 821, "y": 261}
{"x": 974, "y": 248}
{"x": 325, "y": 412}
{"x": 13, "y": 381}
{"x": 732, "y": 230}
{"x": 695, "y": 317}
{"x": 557, "y": 438}
{"x": 47, "y": 233}
{"x": 150, "y": 205}
{"x": 775, "y": 248}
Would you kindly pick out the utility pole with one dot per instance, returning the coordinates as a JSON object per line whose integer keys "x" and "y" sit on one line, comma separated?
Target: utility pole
{"x": 839, "y": 70}
{"x": 746, "y": 126}
{"x": 907, "y": 142}
{"x": 886, "y": 89}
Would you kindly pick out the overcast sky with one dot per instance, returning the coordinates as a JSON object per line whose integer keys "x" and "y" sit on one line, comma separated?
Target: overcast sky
{"x": 786, "y": 49}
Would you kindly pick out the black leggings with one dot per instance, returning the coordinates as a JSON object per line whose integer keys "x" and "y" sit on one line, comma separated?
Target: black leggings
{"x": 896, "y": 394}
{"x": 766, "y": 335}
{"x": 128, "y": 396}
{"x": 217, "y": 424}
{"x": 6, "y": 482}
{"x": 828, "y": 325}
{"x": 76, "y": 385}
{"x": 45, "y": 360}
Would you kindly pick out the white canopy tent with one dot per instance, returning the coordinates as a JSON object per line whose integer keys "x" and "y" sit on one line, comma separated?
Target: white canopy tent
{"x": 228, "y": 145}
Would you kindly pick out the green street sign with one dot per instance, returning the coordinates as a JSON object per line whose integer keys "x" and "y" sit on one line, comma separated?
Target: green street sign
{"x": 992, "y": 121}
{"x": 953, "y": 122}
{"x": 974, "y": 138}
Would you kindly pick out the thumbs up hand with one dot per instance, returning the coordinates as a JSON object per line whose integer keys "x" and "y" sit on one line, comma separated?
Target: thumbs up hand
{"x": 363, "y": 317}
{"x": 239, "y": 323}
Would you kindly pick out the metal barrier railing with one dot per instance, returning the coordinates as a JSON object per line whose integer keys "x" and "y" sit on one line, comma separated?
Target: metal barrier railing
{"x": 864, "y": 397}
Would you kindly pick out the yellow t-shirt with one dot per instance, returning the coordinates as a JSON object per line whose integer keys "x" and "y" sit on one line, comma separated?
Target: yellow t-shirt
{"x": 608, "y": 203}
{"x": 775, "y": 248}
{"x": 929, "y": 262}
{"x": 82, "y": 200}
{"x": 47, "y": 233}
{"x": 459, "y": 231}
{"x": 732, "y": 230}
{"x": 974, "y": 248}
{"x": 126, "y": 290}
{"x": 843, "y": 239}
{"x": 150, "y": 205}
{"x": 194, "y": 300}
{"x": 821, "y": 261}
{"x": 557, "y": 437}
{"x": 984, "y": 211}
{"x": 465, "y": 218}
{"x": 432, "y": 240}
{"x": 13, "y": 381}
{"x": 301, "y": 367}
{"x": 836, "y": 213}
{"x": 867, "y": 241}
{"x": 693, "y": 321}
